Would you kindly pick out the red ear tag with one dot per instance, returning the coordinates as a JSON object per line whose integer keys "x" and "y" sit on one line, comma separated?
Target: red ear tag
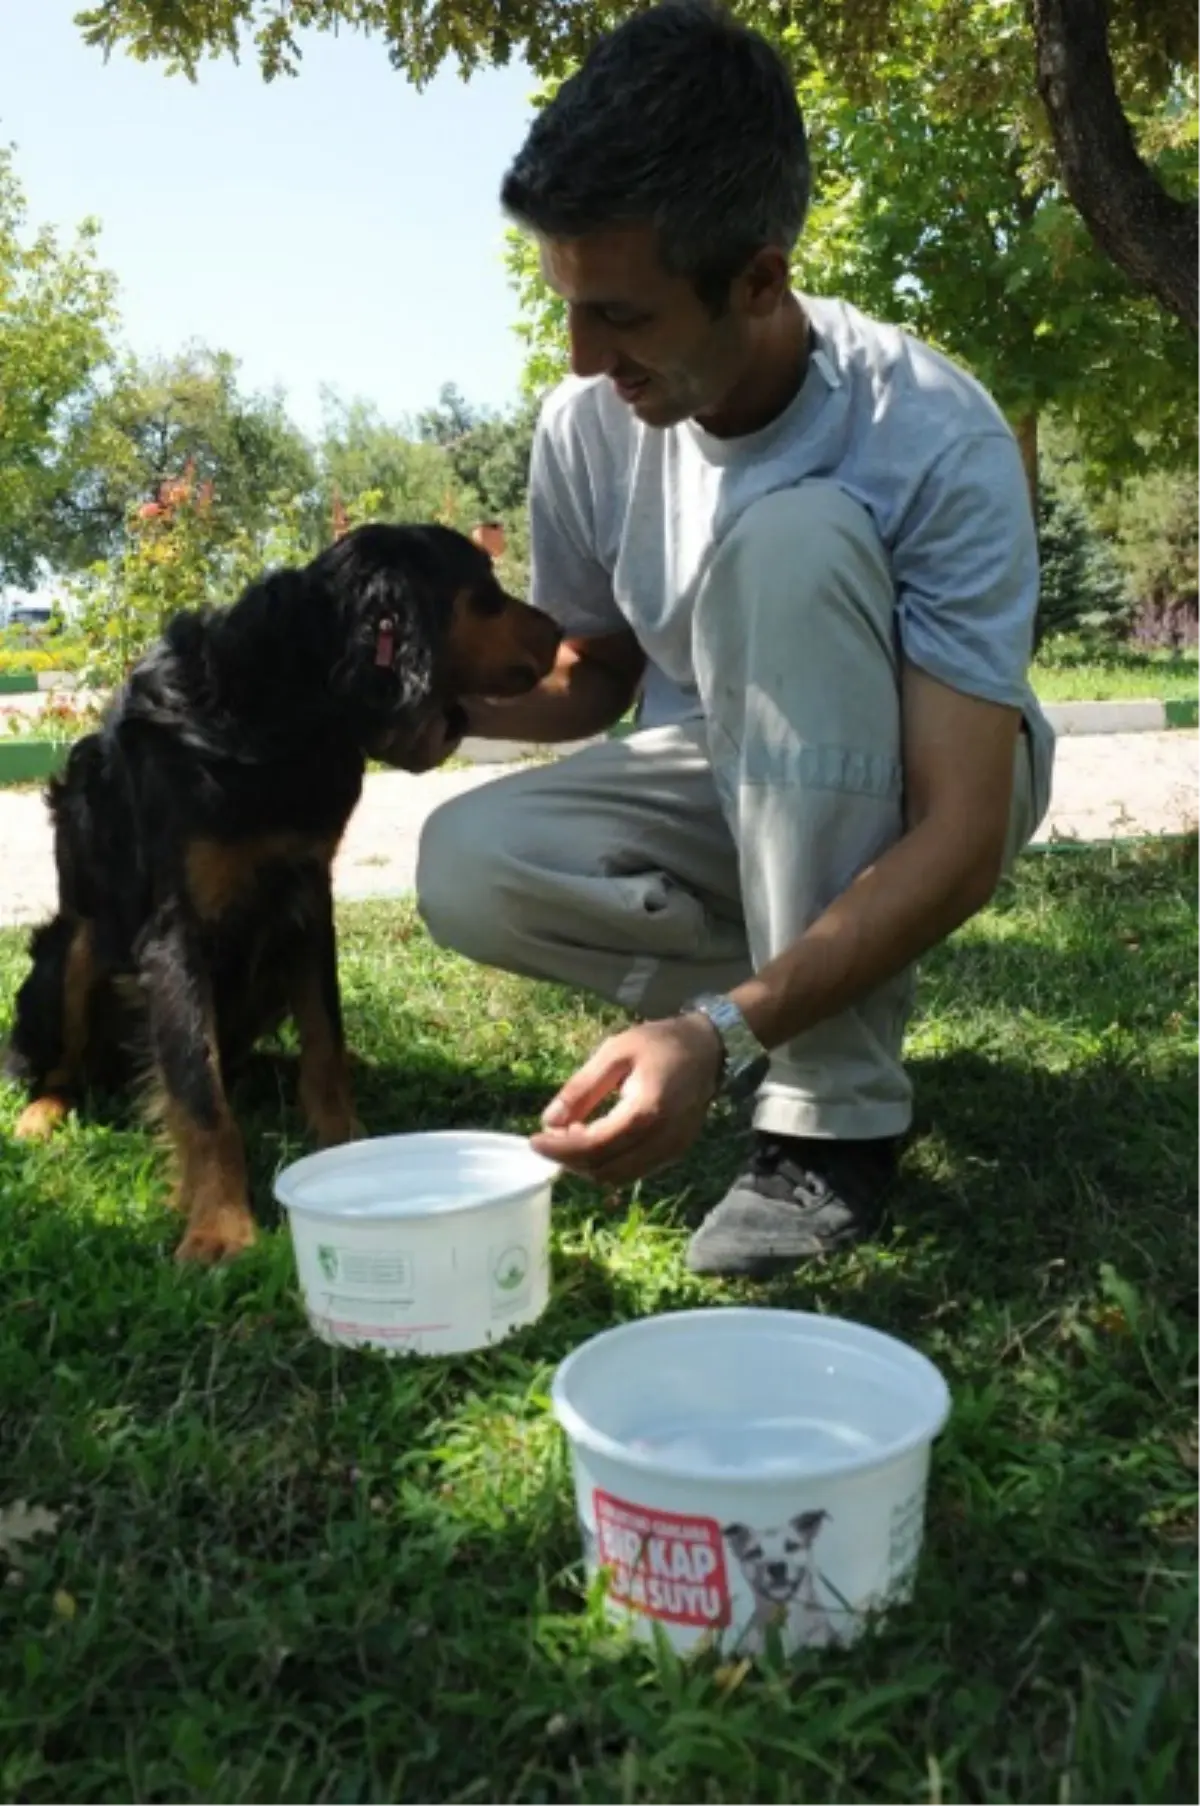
{"x": 385, "y": 645}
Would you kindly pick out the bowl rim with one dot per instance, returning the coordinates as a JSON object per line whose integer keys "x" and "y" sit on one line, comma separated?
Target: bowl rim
{"x": 288, "y": 1179}
{"x": 891, "y": 1348}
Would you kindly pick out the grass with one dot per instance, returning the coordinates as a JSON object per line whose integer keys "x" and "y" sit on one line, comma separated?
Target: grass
{"x": 281, "y": 1572}
{"x": 1068, "y": 671}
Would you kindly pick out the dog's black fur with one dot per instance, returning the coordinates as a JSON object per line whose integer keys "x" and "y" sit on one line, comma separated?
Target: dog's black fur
{"x": 195, "y": 834}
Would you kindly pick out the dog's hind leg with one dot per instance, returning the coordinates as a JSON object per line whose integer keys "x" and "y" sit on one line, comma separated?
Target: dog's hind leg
{"x": 50, "y": 1031}
{"x": 213, "y": 1187}
{"x": 325, "y": 1092}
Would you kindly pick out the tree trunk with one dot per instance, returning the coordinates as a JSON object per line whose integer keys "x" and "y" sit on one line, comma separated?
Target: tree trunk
{"x": 1147, "y": 232}
{"x": 1027, "y": 438}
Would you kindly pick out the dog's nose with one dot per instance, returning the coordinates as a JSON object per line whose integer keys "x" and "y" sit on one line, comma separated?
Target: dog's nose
{"x": 777, "y": 1570}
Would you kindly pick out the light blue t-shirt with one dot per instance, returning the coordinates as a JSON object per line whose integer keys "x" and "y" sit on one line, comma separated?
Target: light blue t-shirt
{"x": 623, "y": 517}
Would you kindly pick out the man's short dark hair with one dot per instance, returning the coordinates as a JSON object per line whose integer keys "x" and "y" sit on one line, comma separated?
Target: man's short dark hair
{"x": 682, "y": 119}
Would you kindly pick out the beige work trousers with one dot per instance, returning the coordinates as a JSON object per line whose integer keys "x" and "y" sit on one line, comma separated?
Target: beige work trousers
{"x": 680, "y": 858}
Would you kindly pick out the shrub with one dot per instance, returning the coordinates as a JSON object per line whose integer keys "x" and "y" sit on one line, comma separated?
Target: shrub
{"x": 1154, "y": 525}
{"x": 1083, "y": 589}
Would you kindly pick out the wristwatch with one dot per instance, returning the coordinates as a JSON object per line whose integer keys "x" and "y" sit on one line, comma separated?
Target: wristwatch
{"x": 744, "y": 1058}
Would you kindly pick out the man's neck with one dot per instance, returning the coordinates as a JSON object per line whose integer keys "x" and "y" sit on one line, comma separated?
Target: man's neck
{"x": 772, "y": 383}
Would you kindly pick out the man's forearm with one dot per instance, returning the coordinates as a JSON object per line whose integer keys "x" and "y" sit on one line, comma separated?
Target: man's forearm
{"x": 579, "y": 698}
{"x": 912, "y": 897}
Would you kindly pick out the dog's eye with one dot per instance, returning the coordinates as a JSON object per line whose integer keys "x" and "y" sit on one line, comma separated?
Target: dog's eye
{"x": 488, "y": 599}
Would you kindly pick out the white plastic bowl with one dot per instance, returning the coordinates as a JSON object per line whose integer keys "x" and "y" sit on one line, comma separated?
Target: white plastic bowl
{"x": 744, "y": 1471}
{"x": 422, "y": 1244}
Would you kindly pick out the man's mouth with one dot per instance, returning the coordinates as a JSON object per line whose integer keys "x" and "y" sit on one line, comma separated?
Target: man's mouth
{"x": 630, "y": 387}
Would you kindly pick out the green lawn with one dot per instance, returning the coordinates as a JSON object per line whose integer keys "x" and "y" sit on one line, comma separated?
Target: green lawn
{"x": 1065, "y": 671}
{"x": 281, "y": 1573}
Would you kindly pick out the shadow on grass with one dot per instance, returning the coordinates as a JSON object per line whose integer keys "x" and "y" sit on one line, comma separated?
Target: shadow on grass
{"x": 282, "y": 1571}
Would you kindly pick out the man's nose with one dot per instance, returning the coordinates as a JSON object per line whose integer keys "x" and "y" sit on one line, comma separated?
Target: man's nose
{"x": 590, "y": 345}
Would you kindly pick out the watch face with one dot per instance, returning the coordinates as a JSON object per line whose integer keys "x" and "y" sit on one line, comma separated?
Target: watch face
{"x": 746, "y": 1060}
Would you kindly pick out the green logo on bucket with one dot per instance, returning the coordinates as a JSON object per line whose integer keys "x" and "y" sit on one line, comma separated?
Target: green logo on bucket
{"x": 327, "y": 1260}
{"x": 510, "y": 1270}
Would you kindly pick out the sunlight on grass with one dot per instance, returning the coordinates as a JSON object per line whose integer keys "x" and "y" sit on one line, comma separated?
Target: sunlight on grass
{"x": 282, "y": 1571}
{"x": 1069, "y": 673}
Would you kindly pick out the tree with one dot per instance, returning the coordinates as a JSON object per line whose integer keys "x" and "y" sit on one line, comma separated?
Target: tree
{"x": 951, "y": 221}
{"x": 186, "y": 413}
{"x": 1078, "y": 57}
{"x": 488, "y": 451}
{"x": 1146, "y": 230}
{"x": 1082, "y": 590}
{"x": 363, "y": 455}
{"x": 56, "y": 320}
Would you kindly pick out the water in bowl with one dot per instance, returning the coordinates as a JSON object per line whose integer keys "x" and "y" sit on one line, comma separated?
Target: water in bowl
{"x": 754, "y": 1446}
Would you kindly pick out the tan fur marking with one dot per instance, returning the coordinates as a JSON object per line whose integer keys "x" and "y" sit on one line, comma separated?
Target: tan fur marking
{"x": 221, "y": 874}
{"x": 212, "y": 1188}
{"x": 483, "y": 649}
{"x": 42, "y": 1115}
{"x": 325, "y": 1093}
{"x": 39, "y": 1119}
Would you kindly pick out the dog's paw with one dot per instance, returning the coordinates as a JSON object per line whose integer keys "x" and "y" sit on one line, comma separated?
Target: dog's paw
{"x": 217, "y": 1235}
{"x": 39, "y": 1119}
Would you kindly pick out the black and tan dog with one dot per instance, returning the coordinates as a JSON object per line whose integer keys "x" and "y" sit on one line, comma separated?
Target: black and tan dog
{"x": 196, "y": 830}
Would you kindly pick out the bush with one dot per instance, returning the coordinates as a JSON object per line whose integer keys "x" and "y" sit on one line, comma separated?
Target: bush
{"x": 1083, "y": 589}
{"x": 1154, "y": 525}
{"x": 56, "y": 655}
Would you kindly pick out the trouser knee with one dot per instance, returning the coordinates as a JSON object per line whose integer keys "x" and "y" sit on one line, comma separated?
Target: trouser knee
{"x": 458, "y": 896}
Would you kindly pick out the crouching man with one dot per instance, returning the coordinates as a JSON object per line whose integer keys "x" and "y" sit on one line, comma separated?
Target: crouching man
{"x": 802, "y": 540}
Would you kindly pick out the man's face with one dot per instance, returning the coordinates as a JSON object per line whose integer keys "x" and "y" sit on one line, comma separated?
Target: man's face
{"x": 648, "y": 331}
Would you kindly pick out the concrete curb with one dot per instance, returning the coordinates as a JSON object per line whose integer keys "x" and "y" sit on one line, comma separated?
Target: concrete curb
{"x": 28, "y": 683}
{"x": 1132, "y": 715}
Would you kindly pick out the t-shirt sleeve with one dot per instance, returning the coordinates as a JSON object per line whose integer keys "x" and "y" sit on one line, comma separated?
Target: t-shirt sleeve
{"x": 965, "y": 562}
{"x": 566, "y": 578}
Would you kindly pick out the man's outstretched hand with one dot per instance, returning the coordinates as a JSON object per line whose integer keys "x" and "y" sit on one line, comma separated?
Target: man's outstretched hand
{"x": 665, "y": 1075}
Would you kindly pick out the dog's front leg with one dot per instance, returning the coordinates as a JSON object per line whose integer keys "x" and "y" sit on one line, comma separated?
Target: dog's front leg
{"x": 325, "y": 1092}
{"x": 213, "y": 1189}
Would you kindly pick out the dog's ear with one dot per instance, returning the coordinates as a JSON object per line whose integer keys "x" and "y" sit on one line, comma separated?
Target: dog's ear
{"x": 807, "y": 1525}
{"x": 390, "y": 654}
{"x": 740, "y": 1537}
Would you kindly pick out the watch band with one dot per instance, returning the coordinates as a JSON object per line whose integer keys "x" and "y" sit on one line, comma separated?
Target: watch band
{"x": 745, "y": 1059}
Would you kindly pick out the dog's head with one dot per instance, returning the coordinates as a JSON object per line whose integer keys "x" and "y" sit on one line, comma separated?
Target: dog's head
{"x": 424, "y": 623}
{"x": 774, "y": 1562}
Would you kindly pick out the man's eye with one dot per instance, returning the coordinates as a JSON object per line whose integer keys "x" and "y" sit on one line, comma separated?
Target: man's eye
{"x": 622, "y": 321}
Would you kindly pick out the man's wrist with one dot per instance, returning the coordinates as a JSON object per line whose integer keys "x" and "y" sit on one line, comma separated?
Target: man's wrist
{"x": 744, "y": 1059}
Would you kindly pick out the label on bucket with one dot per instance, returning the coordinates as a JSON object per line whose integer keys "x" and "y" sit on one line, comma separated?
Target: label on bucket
{"x": 668, "y": 1567}
{"x": 510, "y": 1275}
{"x": 381, "y": 1272}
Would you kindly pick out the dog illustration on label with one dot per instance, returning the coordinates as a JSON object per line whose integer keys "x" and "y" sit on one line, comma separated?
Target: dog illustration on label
{"x": 778, "y": 1568}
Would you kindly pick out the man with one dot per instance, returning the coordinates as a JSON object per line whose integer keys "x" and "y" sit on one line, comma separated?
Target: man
{"x": 805, "y": 540}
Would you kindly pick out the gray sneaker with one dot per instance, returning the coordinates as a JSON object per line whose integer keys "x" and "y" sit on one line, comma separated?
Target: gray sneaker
{"x": 798, "y": 1197}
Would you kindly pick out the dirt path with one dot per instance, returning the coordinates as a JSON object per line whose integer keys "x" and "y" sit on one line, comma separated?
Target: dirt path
{"x": 1107, "y": 787}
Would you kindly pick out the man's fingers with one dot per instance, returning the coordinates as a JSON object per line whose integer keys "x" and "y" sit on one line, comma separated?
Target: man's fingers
{"x": 625, "y": 1124}
{"x": 607, "y": 1068}
{"x": 633, "y": 1157}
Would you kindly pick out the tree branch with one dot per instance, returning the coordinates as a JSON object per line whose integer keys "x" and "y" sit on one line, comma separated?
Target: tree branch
{"x": 1148, "y": 233}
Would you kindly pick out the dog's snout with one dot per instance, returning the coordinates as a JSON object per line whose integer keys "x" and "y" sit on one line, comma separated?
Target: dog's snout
{"x": 777, "y": 1571}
